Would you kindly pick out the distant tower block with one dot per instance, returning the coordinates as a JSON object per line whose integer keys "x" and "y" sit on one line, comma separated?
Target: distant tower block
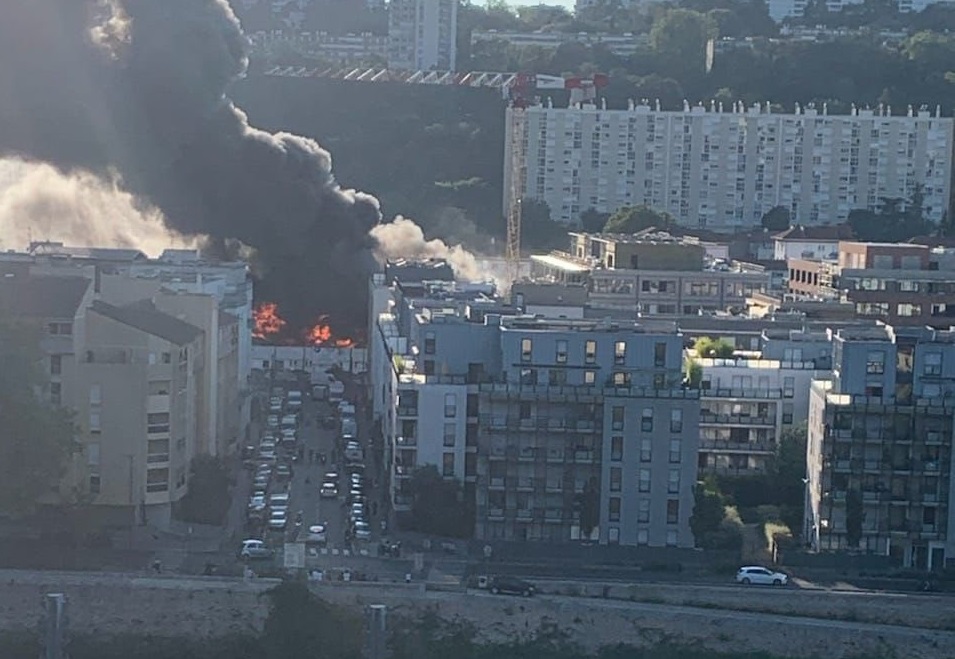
{"x": 376, "y": 632}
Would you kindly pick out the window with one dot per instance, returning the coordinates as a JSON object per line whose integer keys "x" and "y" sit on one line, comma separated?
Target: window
{"x": 94, "y": 484}
{"x": 659, "y": 381}
{"x": 159, "y": 388}
{"x": 92, "y": 454}
{"x": 933, "y": 363}
{"x": 472, "y": 405}
{"x": 643, "y": 511}
{"x": 56, "y": 393}
{"x": 673, "y": 511}
{"x": 614, "y": 509}
{"x": 590, "y": 377}
{"x": 906, "y": 309}
{"x": 527, "y": 347}
{"x": 613, "y": 535}
{"x": 616, "y": 477}
{"x": 95, "y": 421}
{"x": 56, "y": 364}
{"x": 644, "y": 484}
{"x": 450, "y": 431}
{"x": 621, "y": 379}
{"x": 167, "y": 359}
{"x": 450, "y": 406}
{"x": 676, "y": 420}
{"x": 561, "y": 355}
{"x": 157, "y": 480}
{"x": 875, "y": 362}
{"x": 60, "y": 329}
{"x": 590, "y": 352}
{"x": 157, "y": 423}
{"x": 787, "y": 413}
{"x": 528, "y": 376}
{"x": 646, "y": 448}
{"x": 620, "y": 353}
{"x": 660, "y": 355}
{"x": 157, "y": 451}
{"x": 617, "y": 417}
{"x": 616, "y": 448}
{"x": 429, "y": 343}
{"x": 672, "y": 537}
{"x": 557, "y": 377}
{"x": 429, "y": 367}
{"x": 447, "y": 466}
{"x": 643, "y": 536}
{"x": 646, "y": 419}
{"x": 525, "y": 410}
{"x": 675, "y": 451}
{"x": 673, "y": 483}
{"x": 96, "y": 394}
{"x": 789, "y": 387}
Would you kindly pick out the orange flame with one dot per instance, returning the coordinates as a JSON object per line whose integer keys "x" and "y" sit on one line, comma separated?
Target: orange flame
{"x": 321, "y": 335}
{"x": 267, "y": 320}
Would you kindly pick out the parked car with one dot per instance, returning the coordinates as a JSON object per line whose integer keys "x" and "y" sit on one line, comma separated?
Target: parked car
{"x": 278, "y": 520}
{"x": 279, "y": 501}
{"x": 272, "y": 421}
{"x": 362, "y": 530}
{"x": 255, "y": 549}
{"x": 261, "y": 482}
{"x": 753, "y": 574}
{"x": 283, "y": 472}
{"x": 329, "y": 491}
{"x": 511, "y": 586}
{"x": 317, "y": 534}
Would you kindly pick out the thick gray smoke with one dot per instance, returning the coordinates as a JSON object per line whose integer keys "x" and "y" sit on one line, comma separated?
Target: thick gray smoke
{"x": 139, "y": 87}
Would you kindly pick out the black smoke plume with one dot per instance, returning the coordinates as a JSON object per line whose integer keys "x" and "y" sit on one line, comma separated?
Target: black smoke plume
{"x": 138, "y": 89}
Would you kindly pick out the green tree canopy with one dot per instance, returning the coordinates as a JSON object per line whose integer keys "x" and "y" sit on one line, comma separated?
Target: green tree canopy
{"x": 776, "y": 219}
{"x": 37, "y": 438}
{"x": 709, "y": 347}
{"x": 631, "y": 219}
{"x": 437, "y": 505}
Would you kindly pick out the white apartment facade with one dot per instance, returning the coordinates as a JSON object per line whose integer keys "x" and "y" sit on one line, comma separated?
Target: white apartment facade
{"x": 422, "y": 35}
{"x": 780, "y": 10}
{"x": 722, "y": 170}
{"x": 622, "y": 45}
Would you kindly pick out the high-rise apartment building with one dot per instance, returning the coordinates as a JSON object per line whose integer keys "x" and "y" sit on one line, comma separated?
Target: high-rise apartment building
{"x": 879, "y": 454}
{"x": 723, "y": 170}
{"x": 422, "y": 35}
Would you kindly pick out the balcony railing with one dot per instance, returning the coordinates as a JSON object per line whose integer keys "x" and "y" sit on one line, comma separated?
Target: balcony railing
{"x": 737, "y": 419}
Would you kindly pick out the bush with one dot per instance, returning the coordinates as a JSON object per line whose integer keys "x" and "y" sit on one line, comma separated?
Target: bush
{"x": 207, "y": 500}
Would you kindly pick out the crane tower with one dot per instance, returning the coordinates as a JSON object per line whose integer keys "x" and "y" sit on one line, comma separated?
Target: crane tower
{"x": 521, "y": 91}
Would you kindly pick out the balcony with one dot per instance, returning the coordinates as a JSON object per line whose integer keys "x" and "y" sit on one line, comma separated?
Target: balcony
{"x": 555, "y": 455}
{"x": 745, "y": 448}
{"x": 495, "y": 514}
{"x": 497, "y": 453}
{"x": 527, "y": 454}
{"x": 525, "y": 514}
{"x": 736, "y": 419}
{"x": 496, "y": 484}
{"x": 584, "y": 457}
{"x": 742, "y": 393}
{"x": 525, "y": 485}
{"x": 553, "y": 516}
{"x": 406, "y": 411}
{"x": 406, "y": 442}
{"x": 554, "y": 487}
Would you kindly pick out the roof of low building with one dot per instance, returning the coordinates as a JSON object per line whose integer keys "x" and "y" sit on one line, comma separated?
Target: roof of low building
{"x": 822, "y": 232}
{"x": 146, "y": 317}
{"x": 31, "y": 296}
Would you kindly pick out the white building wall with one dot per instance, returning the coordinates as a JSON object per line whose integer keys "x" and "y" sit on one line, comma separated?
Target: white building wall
{"x": 432, "y": 422}
{"x": 725, "y": 169}
{"x": 801, "y": 249}
{"x": 422, "y": 34}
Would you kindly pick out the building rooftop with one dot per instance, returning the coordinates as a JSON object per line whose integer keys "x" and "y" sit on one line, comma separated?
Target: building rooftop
{"x": 561, "y": 262}
{"x": 92, "y": 253}
{"x": 145, "y": 317}
{"x": 32, "y": 296}
{"x": 540, "y": 323}
{"x": 822, "y": 232}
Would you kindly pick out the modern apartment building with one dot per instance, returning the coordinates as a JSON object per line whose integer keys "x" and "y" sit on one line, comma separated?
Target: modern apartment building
{"x": 656, "y": 275}
{"x": 899, "y": 284}
{"x": 723, "y": 169}
{"x": 564, "y": 429}
{"x": 879, "y": 453}
{"x": 339, "y": 48}
{"x": 779, "y": 10}
{"x": 422, "y": 35}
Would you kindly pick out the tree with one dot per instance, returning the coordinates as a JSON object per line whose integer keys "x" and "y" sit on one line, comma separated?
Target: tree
{"x": 593, "y": 221}
{"x": 437, "y": 505}
{"x": 679, "y": 39}
{"x": 709, "y": 511}
{"x": 538, "y": 231}
{"x": 207, "y": 499}
{"x": 709, "y": 347}
{"x": 301, "y": 625}
{"x": 631, "y": 219}
{"x": 776, "y": 219}
{"x": 588, "y": 502}
{"x": 37, "y": 437}
{"x": 854, "y": 517}
{"x": 896, "y": 220}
